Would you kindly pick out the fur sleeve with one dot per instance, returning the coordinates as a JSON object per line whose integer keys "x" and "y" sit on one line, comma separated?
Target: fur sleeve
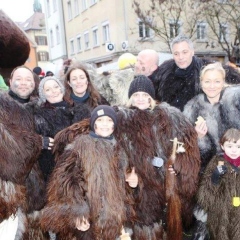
{"x": 20, "y": 145}
{"x": 66, "y": 195}
{"x": 67, "y": 135}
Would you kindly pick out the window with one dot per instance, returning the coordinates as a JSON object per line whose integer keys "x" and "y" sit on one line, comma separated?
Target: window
{"x": 223, "y": 32}
{"x": 57, "y": 34}
{"x": 69, "y": 10}
{"x": 174, "y": 29}
{"x": 43, "y": 56}
{"x": 201, "y": 31}
{"x": 72, "y": 47}
{"x": 54, "y": 5}
{"x": 76, "y": 7}
{"x": 79, "y": 45}
{"x": 105, "y": 29}
{"x": 144, "y": 31}
{"x": 93, "y": 2}
{"x": 48, "y": 9}
{"x": 84, "y": 5}
{"x": 51, "y": 38}
{"x": 41, "y": 40}
{"x": 86, "y": 40}
{"x": 95, "y": 37}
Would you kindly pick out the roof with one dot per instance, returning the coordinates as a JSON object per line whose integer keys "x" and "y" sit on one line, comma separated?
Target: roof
{"x": 35, "y": 22}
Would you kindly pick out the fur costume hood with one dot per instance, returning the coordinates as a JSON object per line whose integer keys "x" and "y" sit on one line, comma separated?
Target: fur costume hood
{"x": 223, "y": 218}
{"x": 89, "y": 181}
{"x": 219, "y": 117}
{"x": 148, "y": 135}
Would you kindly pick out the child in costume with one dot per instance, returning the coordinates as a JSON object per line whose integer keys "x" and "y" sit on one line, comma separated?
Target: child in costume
{"x": 87, "y": 197}
{"x": 219, "y": 192}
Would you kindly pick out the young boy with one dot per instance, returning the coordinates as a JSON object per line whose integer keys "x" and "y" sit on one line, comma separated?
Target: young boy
{"x": 219, "y": 192}
{"x": 87, "y": 196}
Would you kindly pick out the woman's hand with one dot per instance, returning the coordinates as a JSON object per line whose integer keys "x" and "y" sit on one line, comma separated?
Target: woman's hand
{"x": 82, "y": 224}
{"x": 201, "y": 129}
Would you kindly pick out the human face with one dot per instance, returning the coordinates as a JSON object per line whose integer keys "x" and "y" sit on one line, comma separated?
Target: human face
{"x": 141, "y": 100}
{"x": 144, "y": 64}
{"x": 104, "y": 126}
{"x": 232, "y": 149}
{"x": 22, "y": 82}
{"x": 52, "y": 91}
{"x": 78, "y": 82}
{"x": 212, "y": 84}
{"x": 182, "y": 54}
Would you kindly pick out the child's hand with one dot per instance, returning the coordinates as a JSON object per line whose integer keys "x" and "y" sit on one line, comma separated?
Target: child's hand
{"x": 82, "y": 224}
{"x": 217, "y": 173}
{"x": 172, "y": 170}
{"x": 132, "y": 178}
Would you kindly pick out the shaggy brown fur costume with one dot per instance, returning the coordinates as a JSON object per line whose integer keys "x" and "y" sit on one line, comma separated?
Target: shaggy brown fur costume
{"x": 14, "y": 45}
{"x": 143, "y": 135}
{"x": 19, "y": 147}
{"x": 88, "y": 181}
{"x": 223, "y": 218}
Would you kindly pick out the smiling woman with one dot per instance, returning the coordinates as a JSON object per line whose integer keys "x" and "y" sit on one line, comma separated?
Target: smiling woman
{"x": 218, "y": 105}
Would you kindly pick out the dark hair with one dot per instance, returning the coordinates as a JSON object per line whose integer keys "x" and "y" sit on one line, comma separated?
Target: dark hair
{"x": 94, "y": 97}
{"x": 231, "y": 135}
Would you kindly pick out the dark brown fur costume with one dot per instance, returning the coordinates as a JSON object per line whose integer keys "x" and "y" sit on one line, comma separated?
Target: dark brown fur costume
{"x": 88, "y": 181}
{"x": 143, "y": 135}
{"x": 223, "y": 218}
{"x": 19, "y": 147}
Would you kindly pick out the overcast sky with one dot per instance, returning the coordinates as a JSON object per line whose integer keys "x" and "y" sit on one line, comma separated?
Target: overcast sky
{"x": 18, "y": 10}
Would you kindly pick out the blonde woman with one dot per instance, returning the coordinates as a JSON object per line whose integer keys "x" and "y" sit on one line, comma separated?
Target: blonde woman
{"x": 218, "y": 107}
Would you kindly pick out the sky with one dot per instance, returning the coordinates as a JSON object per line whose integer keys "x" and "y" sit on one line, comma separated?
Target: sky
{"x": 18, "y": 10}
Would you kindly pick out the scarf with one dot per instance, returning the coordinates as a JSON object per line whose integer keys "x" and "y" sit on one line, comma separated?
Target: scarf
{"x": 234, "y": 162}
{"x": 94, "y": 135}
{"x": 185, "y": 72}
{"x": 82, "y": 99}
{"x": 17, "y": 98}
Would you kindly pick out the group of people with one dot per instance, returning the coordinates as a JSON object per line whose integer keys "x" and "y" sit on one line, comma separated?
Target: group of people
{"x": 74, "y": 167}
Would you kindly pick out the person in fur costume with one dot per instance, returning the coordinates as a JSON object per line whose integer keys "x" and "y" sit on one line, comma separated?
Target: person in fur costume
{"x": 163, "y": 200}
{"x": 23, "y": 84}
{"x": 87, "y": 196}
{"x": 219, "y": 189}
{"x": 176, "y": 81}
{"x": 217, "y": 109}
{"x": 20, "y": 146}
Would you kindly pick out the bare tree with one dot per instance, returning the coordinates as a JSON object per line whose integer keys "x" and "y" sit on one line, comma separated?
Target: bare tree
{"x": 223, "y": 18}
{"x": 168, "y": 17}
